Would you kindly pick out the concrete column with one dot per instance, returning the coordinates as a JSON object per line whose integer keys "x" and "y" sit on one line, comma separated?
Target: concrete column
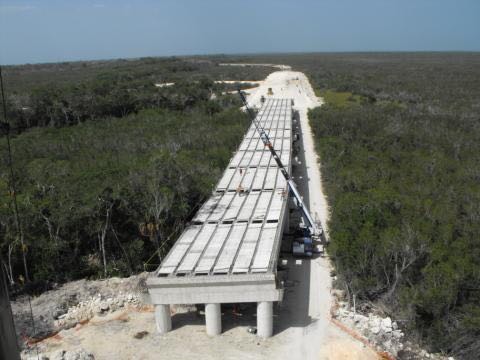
{"x": 163, "y": 318}
{"x": 213, "y": 319}
{"x": 265, "y": 319}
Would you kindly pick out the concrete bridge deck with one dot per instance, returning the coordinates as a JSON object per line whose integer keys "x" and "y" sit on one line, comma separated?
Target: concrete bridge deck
{"x": 229, "y": 252}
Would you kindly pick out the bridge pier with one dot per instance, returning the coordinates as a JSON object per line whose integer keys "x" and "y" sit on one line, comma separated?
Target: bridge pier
{"x": 163, "y": 318}
{"x": 265, "y": 319}
{"x": 213, "y": 319}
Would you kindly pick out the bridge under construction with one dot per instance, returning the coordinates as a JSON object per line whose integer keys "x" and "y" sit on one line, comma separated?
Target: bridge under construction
{"x": 229, "y": 251}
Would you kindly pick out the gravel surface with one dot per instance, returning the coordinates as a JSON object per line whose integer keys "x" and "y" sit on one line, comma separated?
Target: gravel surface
{"x": 74, "y": 302}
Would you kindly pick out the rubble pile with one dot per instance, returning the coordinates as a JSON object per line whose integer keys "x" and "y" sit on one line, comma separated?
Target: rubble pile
{"x": 79, "y": 354}
{"x": 96, "y": 305}
{"x": 379, "y": 330}
{"x": 75, "y": 302}
{"x": 384, "y": 333}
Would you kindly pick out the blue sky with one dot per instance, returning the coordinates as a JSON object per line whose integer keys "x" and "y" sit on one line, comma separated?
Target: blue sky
{"x": 61, "y": 30}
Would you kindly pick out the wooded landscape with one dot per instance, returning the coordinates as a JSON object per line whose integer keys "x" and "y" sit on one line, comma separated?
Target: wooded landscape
{"x": 399, "y": 142}
{"x": 108, "y": 168}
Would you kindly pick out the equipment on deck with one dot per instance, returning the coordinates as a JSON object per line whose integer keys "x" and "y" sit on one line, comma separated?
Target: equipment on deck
{"x": 312, "y": 231}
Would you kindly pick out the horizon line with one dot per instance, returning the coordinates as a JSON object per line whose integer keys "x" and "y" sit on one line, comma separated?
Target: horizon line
{"x": 248, "y": 54}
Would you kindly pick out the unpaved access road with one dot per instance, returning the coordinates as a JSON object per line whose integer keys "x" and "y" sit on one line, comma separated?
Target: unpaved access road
{"x": 310, "y": 300}
{"x": 302, "y": 326}
{"x": 277, "y": 66}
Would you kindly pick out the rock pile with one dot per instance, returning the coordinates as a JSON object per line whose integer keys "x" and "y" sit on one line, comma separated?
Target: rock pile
{"x": 384, "y": 333}
{"x": 378, "y": 330}
{"x": 79, "y": 354}
{"x": 96, "y": 305}
{"x": 72, "y": 302}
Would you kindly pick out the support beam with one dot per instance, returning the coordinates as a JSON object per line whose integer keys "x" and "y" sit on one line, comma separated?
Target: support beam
{"x": 265, "y": 319}
{"x": 213, "y": 319}
{"x": 163, "y": 318}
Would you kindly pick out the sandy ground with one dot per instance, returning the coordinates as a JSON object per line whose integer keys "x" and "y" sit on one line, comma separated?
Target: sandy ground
{"x": 276, "y": 66}
{"x": 302, "y": 326}
{"x": 167, "y": 84}
{"x": 238, "y": 81}
{"x": 295, "y": 85}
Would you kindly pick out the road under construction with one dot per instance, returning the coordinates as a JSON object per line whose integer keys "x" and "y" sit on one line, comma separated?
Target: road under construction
{"x": 230, "y": 250}
{"x": 234, "y": 261}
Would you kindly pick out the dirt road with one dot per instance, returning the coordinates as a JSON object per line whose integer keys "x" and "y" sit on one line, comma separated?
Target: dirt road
{"x": 277, "y": 66}
{"x": 310, "y": 300}
{"x": 302, "y": 326}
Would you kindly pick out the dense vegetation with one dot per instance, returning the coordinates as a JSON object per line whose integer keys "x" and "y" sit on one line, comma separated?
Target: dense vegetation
{"x": 109, "y": 168}
{"x": 67, "y": 94}
{"x": 399, "y": 141}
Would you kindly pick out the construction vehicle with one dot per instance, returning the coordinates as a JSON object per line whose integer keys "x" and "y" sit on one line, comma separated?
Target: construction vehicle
{"x": 311, "y": 231}
{"x": 302, "y": 247}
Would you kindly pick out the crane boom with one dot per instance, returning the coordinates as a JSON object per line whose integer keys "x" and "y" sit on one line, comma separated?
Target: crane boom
{"x": 313, "y": 229}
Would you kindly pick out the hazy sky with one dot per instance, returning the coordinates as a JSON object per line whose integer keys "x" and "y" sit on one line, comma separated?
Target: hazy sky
{"x": 57, "y": 30}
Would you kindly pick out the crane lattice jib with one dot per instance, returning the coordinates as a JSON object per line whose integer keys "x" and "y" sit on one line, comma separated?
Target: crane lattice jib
{"x": 291, "y": 185}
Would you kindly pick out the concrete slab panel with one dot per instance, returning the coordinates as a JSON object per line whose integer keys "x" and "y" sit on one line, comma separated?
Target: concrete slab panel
{"x": 222, "y": 206}
{"x": 230, "y": 249}
{"x": 235, "y": 231}
{"x": 225, "y": 180}
{"x": 213, "y": 249}
{"x": 247, "y": 249}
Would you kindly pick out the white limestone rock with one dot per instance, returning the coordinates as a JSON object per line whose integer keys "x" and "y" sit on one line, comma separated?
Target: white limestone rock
{"x": 386, "y": 325}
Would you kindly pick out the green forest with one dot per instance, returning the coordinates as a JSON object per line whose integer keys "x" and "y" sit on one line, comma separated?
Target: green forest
{"x": 108, "y": 168}
{"x": 399, "y": 142}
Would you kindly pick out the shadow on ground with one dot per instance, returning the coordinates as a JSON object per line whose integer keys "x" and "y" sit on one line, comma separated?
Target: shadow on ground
{"x": 293, "y": 310}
